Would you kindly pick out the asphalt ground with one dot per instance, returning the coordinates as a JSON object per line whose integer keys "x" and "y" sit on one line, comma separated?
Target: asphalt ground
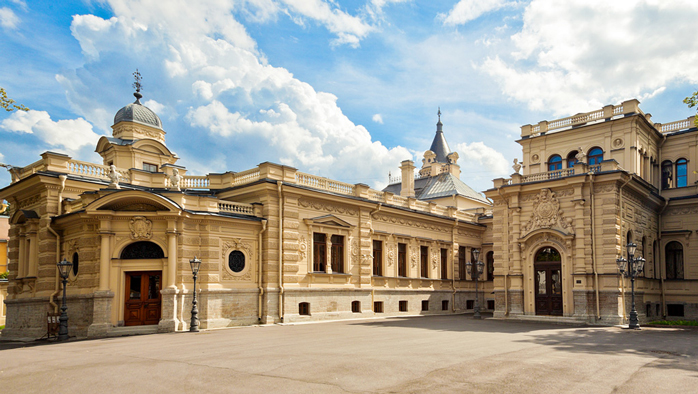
{"x": 437, "y": 354}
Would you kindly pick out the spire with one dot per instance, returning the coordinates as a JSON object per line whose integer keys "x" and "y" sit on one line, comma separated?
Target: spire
{"x": 138, "y": 86}
{"x": 439, "y": 145}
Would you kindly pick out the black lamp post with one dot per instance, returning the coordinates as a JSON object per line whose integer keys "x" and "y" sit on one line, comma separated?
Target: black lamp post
{"x": 64, "y": 268}
{"x": 194, "y": 326}
{"x": 636, "y": 266}
{"x": 475, "y": 274}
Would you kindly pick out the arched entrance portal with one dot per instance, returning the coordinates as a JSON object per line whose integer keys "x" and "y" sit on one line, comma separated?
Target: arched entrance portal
{"x": 142, "y": 297}
{"x": 548, "y": 275}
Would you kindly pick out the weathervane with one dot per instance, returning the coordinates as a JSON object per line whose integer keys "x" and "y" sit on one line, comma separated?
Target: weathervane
{"x": 138, "y": 86}
{"x": 439, "y": 113}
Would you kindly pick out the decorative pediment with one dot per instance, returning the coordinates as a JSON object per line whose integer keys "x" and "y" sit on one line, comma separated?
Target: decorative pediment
{"x": 132, "y": 201}
{"x": 546, "y": 213}
{"x": 536, "y": 237}
{"x": 328, "y": 220}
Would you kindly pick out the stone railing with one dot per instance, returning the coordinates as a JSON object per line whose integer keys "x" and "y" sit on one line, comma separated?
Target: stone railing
{"x": 579, "y": 168}
{"x": 195, "y": 182}
{"x": 244, "y": 177}
{"x": 544, "y": 176}
{"x": 606, "y": 113}
{"x": 91, "y": 170}
{"x": 677, "y": 126}
{"x": 236, "y": 207}
{"x": 322, "y": 183}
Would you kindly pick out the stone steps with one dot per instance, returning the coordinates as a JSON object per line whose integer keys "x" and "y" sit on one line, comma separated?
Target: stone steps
{"x": 133, "y": 330}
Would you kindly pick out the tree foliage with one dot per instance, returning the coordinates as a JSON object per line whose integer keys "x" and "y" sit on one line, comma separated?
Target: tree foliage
{"x": 692, "y": 101}
{"x": 8, "y": 104}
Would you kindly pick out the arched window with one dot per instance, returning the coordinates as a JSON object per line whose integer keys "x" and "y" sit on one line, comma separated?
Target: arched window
{"x": 555, "y": 163}
{"x": 667, "y": 175}
{"x": 655, "y": 259}
{"x": 572, "y": 159}
{"x": 629, "y": 238}
{"x": 490, "y": 265}
{"x": 674, "y": 260}
{"x": 548, "y": 254}
{"x": 595, "y": 156}
{"x": 142, "y": 250}
{"x": 643, "y": 253}
{"x": 681, "y": 172}
{"x": 76, "y": 263}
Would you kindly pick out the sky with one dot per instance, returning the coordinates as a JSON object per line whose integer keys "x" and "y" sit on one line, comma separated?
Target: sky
{"x": 342, "y": 89}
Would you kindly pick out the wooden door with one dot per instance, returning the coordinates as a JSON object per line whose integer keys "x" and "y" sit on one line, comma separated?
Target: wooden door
{"x": 143, "y": 299}
{"x": 548, "y": 277}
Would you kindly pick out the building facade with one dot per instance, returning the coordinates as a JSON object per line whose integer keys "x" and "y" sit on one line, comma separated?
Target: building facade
{"x": 279, "y": 245}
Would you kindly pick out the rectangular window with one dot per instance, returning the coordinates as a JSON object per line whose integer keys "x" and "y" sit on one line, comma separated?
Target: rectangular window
{"x": 469, "y": 304}
{"x": 401, "y": 259}
{"x": 403, "y": 306}
{"x": 337, "y": 253}
{"x": 461, "y": 263}
{"x": 356, "y": 306}
{"x": 319, "y": 252}
{"x": 444, "y": 305}
{"x": 674, "y": 310}
{"x": 378, "y": 258}
{"x": 150, "y": 167}
{"x": 378, "y": 307}
{"x": 424, "y": 261}
{"x": 490, "y": 305}
{"x": 304, "y": 309}
{"x": 425, "y": 305}
{"x": 444, "y": 263}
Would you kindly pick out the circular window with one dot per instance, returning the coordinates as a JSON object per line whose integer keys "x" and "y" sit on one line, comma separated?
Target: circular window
{"x": 236, "y": 261}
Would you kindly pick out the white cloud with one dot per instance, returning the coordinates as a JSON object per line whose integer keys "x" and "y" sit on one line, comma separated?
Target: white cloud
{"x": 578, "y": 55}
{"x": 239, "y": 102}
{"x": 483, "y": 156}
{"x": 468, "y": 10}
{"x": 378, "y": 118}
{"x": 70, "y": 134}
{"x": 8, "y": 19}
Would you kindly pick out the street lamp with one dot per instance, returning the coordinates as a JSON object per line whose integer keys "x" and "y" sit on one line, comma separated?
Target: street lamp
{"x": 64, "y": 268}
{"x": 636, "y": 266}
{"x": 475, "y": 274}
{"x": 194, "y": 326}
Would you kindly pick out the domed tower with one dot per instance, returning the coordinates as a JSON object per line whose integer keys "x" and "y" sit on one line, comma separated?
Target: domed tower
{"x": 138, "y": 139}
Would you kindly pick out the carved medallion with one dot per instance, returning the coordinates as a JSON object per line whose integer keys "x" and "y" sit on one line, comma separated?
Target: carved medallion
{"x": 546, "y": 212}
{"x": 391, "y": 255}
{"x": 141, "y": 228}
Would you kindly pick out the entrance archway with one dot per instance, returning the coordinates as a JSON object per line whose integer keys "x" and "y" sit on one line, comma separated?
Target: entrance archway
{"x": 547, "y": 267}
{"x": 142, "y": 298}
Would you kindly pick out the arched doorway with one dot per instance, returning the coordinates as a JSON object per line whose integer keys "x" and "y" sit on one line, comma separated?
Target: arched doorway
{"x": 143, "y": 300}
{"x": 548, "y": 278}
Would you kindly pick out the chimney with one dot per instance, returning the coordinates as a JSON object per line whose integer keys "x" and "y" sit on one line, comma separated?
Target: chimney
{"x": 407, "y": 167}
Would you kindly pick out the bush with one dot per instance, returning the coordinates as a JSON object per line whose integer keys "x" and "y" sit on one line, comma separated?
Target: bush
{"x": 675, "y": 323}
{"x": 4, "y": 275}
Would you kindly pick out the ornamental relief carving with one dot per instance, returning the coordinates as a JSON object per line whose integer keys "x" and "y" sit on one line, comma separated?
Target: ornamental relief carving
{"x": 467, "y": 233}
{"x": 235, "y": 244}
{"x": 682, "y": 211}
{"x": 545, "y": 237}
{"x": 409, "y": 222}
{"x": 141, "y": 228}
{"x": 246, "y": 277}
{"x": 302, "y": 248}
{"x": 546, "y": 213}
{"x": 322, "y": 206}
{"x": 413, "y": 258}
{"x": 434, "y": 259}
{"x": 391, "y": 255}
{"x": 354, "y": 250}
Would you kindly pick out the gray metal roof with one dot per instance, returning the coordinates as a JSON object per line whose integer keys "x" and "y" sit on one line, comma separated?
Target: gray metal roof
{"x": 139, "y": 113}
{"x": 439, "y": 145}
{"x": 442, "y": 185}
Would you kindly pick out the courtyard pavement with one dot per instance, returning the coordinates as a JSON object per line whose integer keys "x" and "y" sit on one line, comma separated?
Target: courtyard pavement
{"x": 436, "y": 354}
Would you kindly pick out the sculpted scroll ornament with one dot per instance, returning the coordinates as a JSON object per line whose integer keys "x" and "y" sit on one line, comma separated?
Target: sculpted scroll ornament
{"x": 434, "y": 259}
{"x": 546, "y": 212}
{"x": 415, "y": 251}
{"x": 391, "y": 255}
{"x": 141, "y": 228}
{"x": 302, "y": 248}
{"x": 354, "y": 251}
{"x": 236, "y": 244}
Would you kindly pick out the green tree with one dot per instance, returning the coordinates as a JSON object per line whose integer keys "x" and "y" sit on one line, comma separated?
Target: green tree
{"x": 8, "y": 104}
{"x": 692, "y": 101}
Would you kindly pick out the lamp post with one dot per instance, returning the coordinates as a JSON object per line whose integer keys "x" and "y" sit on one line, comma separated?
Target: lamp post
{"x": 632, "y": 271}
{"x": 64, "y": 268}
{"x": 194, "y": 326}
{"x": 475, "y": 274}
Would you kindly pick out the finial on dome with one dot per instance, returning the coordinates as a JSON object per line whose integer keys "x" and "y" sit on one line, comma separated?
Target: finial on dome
{"x": 439, "y": 125}
{"x": 138, "y": 86}
{"x": 439, "y": 113}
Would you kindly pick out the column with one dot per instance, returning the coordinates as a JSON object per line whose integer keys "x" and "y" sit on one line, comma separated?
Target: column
{"x": 171, "y": 259}
{"x": 104, "y": 259}
{"x": 328, "y": 253}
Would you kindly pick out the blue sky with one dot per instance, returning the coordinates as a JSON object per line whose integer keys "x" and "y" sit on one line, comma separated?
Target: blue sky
{"x": 343, "y": 89}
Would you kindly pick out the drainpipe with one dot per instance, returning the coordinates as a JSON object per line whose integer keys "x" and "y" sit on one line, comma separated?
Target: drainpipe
{"x": 453, "y": 267}
{"x": 259, "y": 273}
{"x": 506, "y": 272}
{"x": 279, "y": 184}
{"x": 593, "y": 247}
{"x": 56, "y": 288}
{"x": 622, "y": 205}
{"x": 659, "y": 230}
{"x": 370, "y": 217}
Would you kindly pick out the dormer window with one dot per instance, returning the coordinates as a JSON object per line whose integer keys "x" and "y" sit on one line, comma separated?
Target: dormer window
{"x": 150, "y": 167}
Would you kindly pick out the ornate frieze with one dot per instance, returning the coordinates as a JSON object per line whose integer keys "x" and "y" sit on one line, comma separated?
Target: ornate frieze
{"x": 141, "y": 227}
{"x": 546, "y": 212}
{"x": 410, "y": 222}
{"x": 323, "y": 206}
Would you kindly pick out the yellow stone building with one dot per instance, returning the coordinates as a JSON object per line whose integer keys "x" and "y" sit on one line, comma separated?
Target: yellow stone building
{"x": 279, "y": 245}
